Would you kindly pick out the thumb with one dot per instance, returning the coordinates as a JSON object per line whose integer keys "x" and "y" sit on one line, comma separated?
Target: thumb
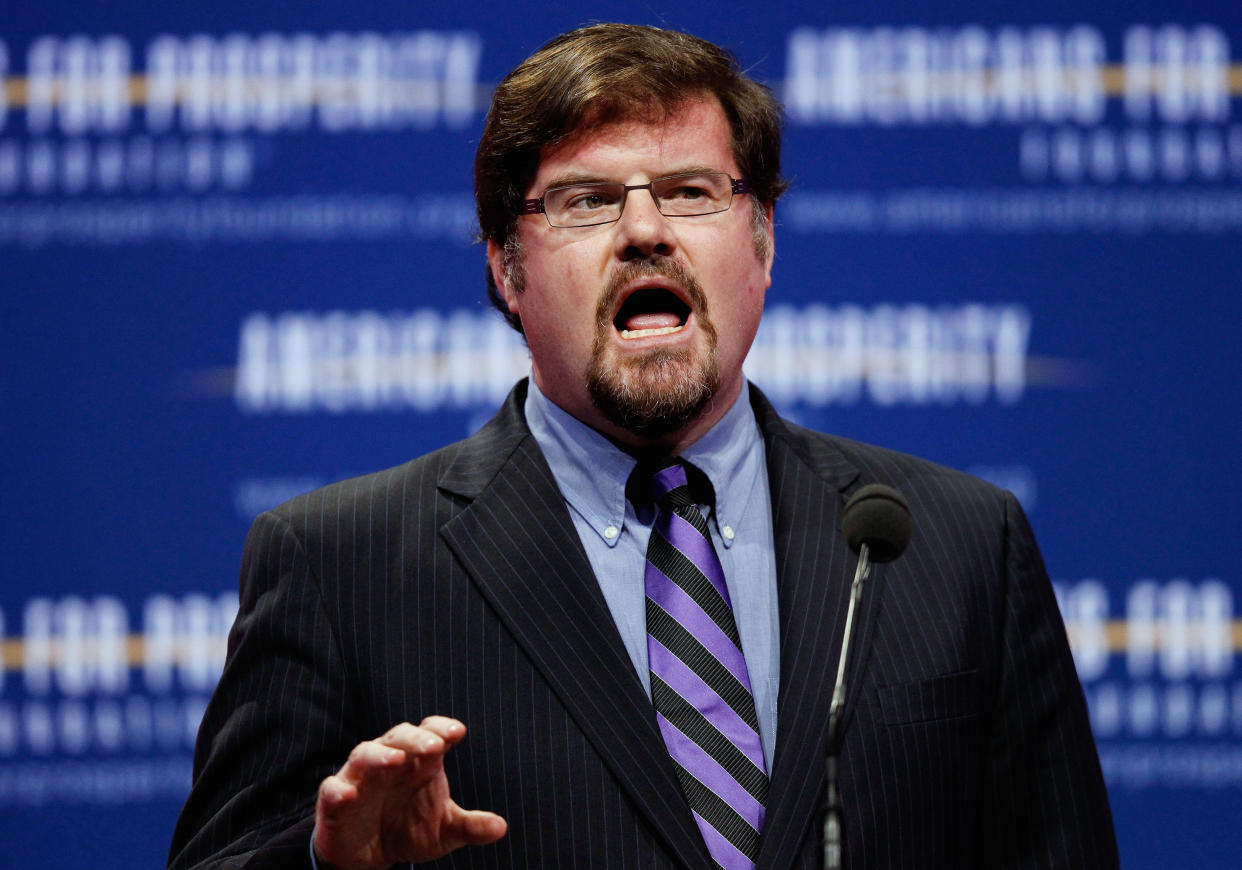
{"x": 471, "y": 827}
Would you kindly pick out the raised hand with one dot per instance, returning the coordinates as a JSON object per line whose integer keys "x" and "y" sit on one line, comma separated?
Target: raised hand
{"x": 390, "y": 802}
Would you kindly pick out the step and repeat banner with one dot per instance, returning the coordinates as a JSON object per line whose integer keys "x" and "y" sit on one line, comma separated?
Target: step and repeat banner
{"x": 237, "y": 259}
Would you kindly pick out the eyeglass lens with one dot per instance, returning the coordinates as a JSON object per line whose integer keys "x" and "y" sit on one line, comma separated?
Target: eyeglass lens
{"x": 687, "y": 195}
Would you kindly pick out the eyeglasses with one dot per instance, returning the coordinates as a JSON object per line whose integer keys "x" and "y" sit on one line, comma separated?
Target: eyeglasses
{"x": 690, "y": 194}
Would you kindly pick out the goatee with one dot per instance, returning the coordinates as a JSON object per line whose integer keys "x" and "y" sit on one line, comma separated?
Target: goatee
{"x": 656, "y": 393}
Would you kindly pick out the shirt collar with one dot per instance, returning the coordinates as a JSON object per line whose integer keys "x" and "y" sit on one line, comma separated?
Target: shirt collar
{"x": 731, "y": 455}
{"x": 592, "y": 471}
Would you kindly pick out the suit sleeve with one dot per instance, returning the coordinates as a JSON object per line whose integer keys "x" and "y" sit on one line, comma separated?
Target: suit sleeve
{"x": 277, "y": 723}
{"x": 1045, "y": 804}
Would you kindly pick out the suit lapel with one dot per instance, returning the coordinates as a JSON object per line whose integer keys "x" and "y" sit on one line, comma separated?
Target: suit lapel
{"x": 519, "y": 545}
{"x": 809, "y": 481}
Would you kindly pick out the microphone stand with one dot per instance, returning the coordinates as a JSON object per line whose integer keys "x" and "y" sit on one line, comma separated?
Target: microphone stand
{"x": 833, "y": 833}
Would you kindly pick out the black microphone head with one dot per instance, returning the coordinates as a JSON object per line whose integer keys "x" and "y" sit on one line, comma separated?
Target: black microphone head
{"x": 877, "y": 516}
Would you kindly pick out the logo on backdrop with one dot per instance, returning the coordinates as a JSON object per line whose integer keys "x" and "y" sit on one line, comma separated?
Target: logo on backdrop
{"x": 812, "y": 356}
{"x": 94, "y": 712}
{"x": 1134, "y": 141}
{"x": 99, "y": 706}
{"x": 1158, "y": 670}
{"x": 467, "y": 360}
{"x": 1127, "y": 131}
{"x": 103, "y": 141}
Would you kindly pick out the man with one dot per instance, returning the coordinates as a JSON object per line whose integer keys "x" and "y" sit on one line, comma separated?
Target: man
{"x": 511, "y": 583}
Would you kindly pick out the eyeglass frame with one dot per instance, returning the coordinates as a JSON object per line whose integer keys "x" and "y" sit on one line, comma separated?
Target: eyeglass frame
{"x": 536, "y": 206}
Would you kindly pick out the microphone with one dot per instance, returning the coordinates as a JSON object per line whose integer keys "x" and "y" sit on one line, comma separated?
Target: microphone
{"x": 878, "y": 518}
{"x": 876, "y": 523}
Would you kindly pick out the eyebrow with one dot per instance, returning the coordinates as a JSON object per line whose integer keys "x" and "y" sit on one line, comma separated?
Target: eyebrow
{"x": 576, "y": 178}
{"x": 572, "y": 178}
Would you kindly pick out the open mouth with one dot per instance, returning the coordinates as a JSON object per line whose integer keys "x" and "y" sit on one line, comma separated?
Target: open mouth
{"x": 651, "y": 311}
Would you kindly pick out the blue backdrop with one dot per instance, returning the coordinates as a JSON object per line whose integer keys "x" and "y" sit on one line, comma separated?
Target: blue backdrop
{"x": 237, "y": 261}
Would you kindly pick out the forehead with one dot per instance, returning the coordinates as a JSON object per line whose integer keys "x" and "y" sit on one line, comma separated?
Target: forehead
{"x": 693, "y": 134}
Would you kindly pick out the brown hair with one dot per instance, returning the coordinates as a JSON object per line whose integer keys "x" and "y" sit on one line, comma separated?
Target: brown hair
{"x": 613, "y": 72}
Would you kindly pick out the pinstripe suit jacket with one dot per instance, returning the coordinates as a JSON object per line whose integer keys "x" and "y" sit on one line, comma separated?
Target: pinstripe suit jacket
{"x": 456, "y": 584}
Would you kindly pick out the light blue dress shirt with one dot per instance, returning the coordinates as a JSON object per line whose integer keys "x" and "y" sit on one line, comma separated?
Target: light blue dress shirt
{"x": 592, "y": 472}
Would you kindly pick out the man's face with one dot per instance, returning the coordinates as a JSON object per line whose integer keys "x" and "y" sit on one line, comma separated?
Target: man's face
{"x": 639, "y": 328}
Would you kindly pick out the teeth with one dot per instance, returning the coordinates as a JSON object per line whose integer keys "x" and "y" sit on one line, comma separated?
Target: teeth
{"x": 647, "y": 333}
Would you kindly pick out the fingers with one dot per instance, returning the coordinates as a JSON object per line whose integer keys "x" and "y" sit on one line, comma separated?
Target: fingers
{"x": 390, "y": 801}
{"x": 451, "y": 731}
{"x": 474, "y": 827}
{"x": 418, "y": 749}
{"x": 433, "y": 736}
{"x": 370, "y": 758}
{"x": 335, "y": 791}
{"x": 373, "y": 794}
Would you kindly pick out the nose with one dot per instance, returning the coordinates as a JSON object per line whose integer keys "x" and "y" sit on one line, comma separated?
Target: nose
{"x": 641, "y": 231}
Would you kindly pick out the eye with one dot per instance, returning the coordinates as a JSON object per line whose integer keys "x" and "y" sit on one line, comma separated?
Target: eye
{"x": 692, "y": 193}
{"x": 589, "y": 198}
{"x": 686, "y": 191}
{"x": 587, "y": 201}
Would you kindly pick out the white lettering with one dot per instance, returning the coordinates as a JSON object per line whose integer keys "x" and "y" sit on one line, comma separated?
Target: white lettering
{"x": 1172, "y": 154}
{"x": 1215, "y": 613}
{"x": 73, "y": 727}
{"x": 343, "y": 361}
{"x": 1084, "y": 58}
{"x": 109, "y": 725}
{"x": 1180, "y": 629}
{"x": 1176, "y": 662}
{"x": 38, "y": 729}
{"x": 969, "y": 75}
{"x": 1141, "y": 637}
{"x": 1213, "y": 710}
{"x": 1176, "y": 74}
{"x": 78, "y": 84}
{"x": 159, "y": 642}
{"x": 912, "y": 355}
{"x": 199, "y": 628}
{"x": 81, "y": 165}
{"x": 37, "y": 633}
{"x": 1085, "y": 607}
{"x": 185, "y": 635}
{"x": 342, "y": 81}
{"x": 1165, "y": 710}
{"x": 10, "y": 166}
{"x": 419, "y": 362}
{"x": 41, "y": 75}
{"x": 10, "y": 731}
{"x": 87, "y": 641}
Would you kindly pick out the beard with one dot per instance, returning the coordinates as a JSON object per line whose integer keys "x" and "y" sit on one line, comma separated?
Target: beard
{"x": 659, "y": 392}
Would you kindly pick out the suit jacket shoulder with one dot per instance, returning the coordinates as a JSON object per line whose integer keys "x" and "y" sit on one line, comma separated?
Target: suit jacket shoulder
{"x": 456, "y": 585}
{"x": 966, "y": 738}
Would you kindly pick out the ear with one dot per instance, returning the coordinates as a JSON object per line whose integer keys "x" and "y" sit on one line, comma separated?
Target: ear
{"x": 496, "y": 262}
{"x": 770, "y": 229}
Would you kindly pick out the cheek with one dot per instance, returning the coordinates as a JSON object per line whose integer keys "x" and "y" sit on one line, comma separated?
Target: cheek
{"x": 559, "y": 319}
{"x": 744, "y": 281}
{"x": 569, "y": 293}
{"x": 736, "y": 314}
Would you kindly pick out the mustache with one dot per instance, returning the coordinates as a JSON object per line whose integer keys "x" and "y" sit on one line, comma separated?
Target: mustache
{"x": 651, "y": 267}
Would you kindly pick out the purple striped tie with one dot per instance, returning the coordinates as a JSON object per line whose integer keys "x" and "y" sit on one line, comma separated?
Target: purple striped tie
{"x": 699, "y": 684}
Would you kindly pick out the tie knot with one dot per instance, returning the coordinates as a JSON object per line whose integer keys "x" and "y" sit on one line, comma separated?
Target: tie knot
{"x": 670, "y": 485}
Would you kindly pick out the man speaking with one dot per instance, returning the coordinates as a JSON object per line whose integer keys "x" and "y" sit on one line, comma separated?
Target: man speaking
{"x": 603, "y": 631}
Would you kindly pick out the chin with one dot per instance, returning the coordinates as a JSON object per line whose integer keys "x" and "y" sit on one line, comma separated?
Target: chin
{"x": 655, "y": 394}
